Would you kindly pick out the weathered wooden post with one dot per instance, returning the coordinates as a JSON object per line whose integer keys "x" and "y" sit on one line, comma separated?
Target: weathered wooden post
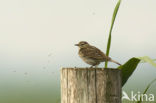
{"x": 90, "y": 85}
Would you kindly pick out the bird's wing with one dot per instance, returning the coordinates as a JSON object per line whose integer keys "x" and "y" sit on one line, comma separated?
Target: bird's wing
{"x": 94, "y": 53}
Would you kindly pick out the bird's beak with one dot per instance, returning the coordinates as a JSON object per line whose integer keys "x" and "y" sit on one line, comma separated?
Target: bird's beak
{"x": 76, "y": 44}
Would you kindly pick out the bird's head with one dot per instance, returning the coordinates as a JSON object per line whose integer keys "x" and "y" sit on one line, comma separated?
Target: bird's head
{"x": 82, "y": 44}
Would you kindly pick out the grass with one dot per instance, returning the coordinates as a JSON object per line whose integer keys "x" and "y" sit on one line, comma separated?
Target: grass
{"x": 111, "y": 28}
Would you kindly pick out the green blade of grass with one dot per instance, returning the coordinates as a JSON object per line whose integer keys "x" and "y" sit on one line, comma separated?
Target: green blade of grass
{"x": 128, "y": 68}
{"x": 148, "y": 86}
{"x": 142, "y": 61}
{"x": 110, "y": 32}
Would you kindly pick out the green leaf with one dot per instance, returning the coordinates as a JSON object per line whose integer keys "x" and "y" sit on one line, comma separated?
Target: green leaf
{"x": 145, "y": 61}
{"x": 148, "y": 86}
{"x": 110, "y": 32}
{"x": 148, "y": 60}
{"x": 128, "y": 68}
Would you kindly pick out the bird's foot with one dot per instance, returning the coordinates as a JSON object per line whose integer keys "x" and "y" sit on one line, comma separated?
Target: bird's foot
{"x": 91, "y": 66}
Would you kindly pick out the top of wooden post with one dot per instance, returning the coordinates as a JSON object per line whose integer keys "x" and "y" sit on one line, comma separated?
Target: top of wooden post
{"x": 90, "y": 85}
{"x": 80, "y": 68}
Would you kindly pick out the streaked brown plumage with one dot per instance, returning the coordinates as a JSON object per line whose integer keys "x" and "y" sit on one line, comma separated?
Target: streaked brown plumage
{"x": 92, "y": 55}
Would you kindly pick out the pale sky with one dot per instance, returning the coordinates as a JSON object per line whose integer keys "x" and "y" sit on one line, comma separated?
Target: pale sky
{"x": 31, "y": 27}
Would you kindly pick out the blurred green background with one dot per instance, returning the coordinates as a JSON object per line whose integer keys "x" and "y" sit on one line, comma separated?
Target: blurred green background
{"x": 37, "y": 38}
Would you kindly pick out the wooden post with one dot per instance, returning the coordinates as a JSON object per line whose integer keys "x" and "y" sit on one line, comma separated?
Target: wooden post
{"x": 90, "y": 85}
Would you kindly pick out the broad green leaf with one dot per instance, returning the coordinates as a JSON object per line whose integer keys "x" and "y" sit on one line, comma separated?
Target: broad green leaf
{"x": 148, "y": 86}
{"x": 128, "y": 68}
{"x": 148, "y": 60}
{"x": 110, "y": 32}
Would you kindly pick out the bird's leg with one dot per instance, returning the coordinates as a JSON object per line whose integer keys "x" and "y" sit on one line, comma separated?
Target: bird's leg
{"x": 96, "y": 66}
{"x": 91, "y": 66}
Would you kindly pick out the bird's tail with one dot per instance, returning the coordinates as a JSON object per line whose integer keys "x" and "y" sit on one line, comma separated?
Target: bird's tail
{"x": 115, "y": 62}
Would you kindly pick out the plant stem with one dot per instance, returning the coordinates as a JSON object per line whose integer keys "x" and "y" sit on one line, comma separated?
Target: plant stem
{"x": 110, "y": 32}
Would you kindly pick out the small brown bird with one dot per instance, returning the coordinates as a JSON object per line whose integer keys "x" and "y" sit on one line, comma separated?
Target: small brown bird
{"x": 92, "y": 55}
